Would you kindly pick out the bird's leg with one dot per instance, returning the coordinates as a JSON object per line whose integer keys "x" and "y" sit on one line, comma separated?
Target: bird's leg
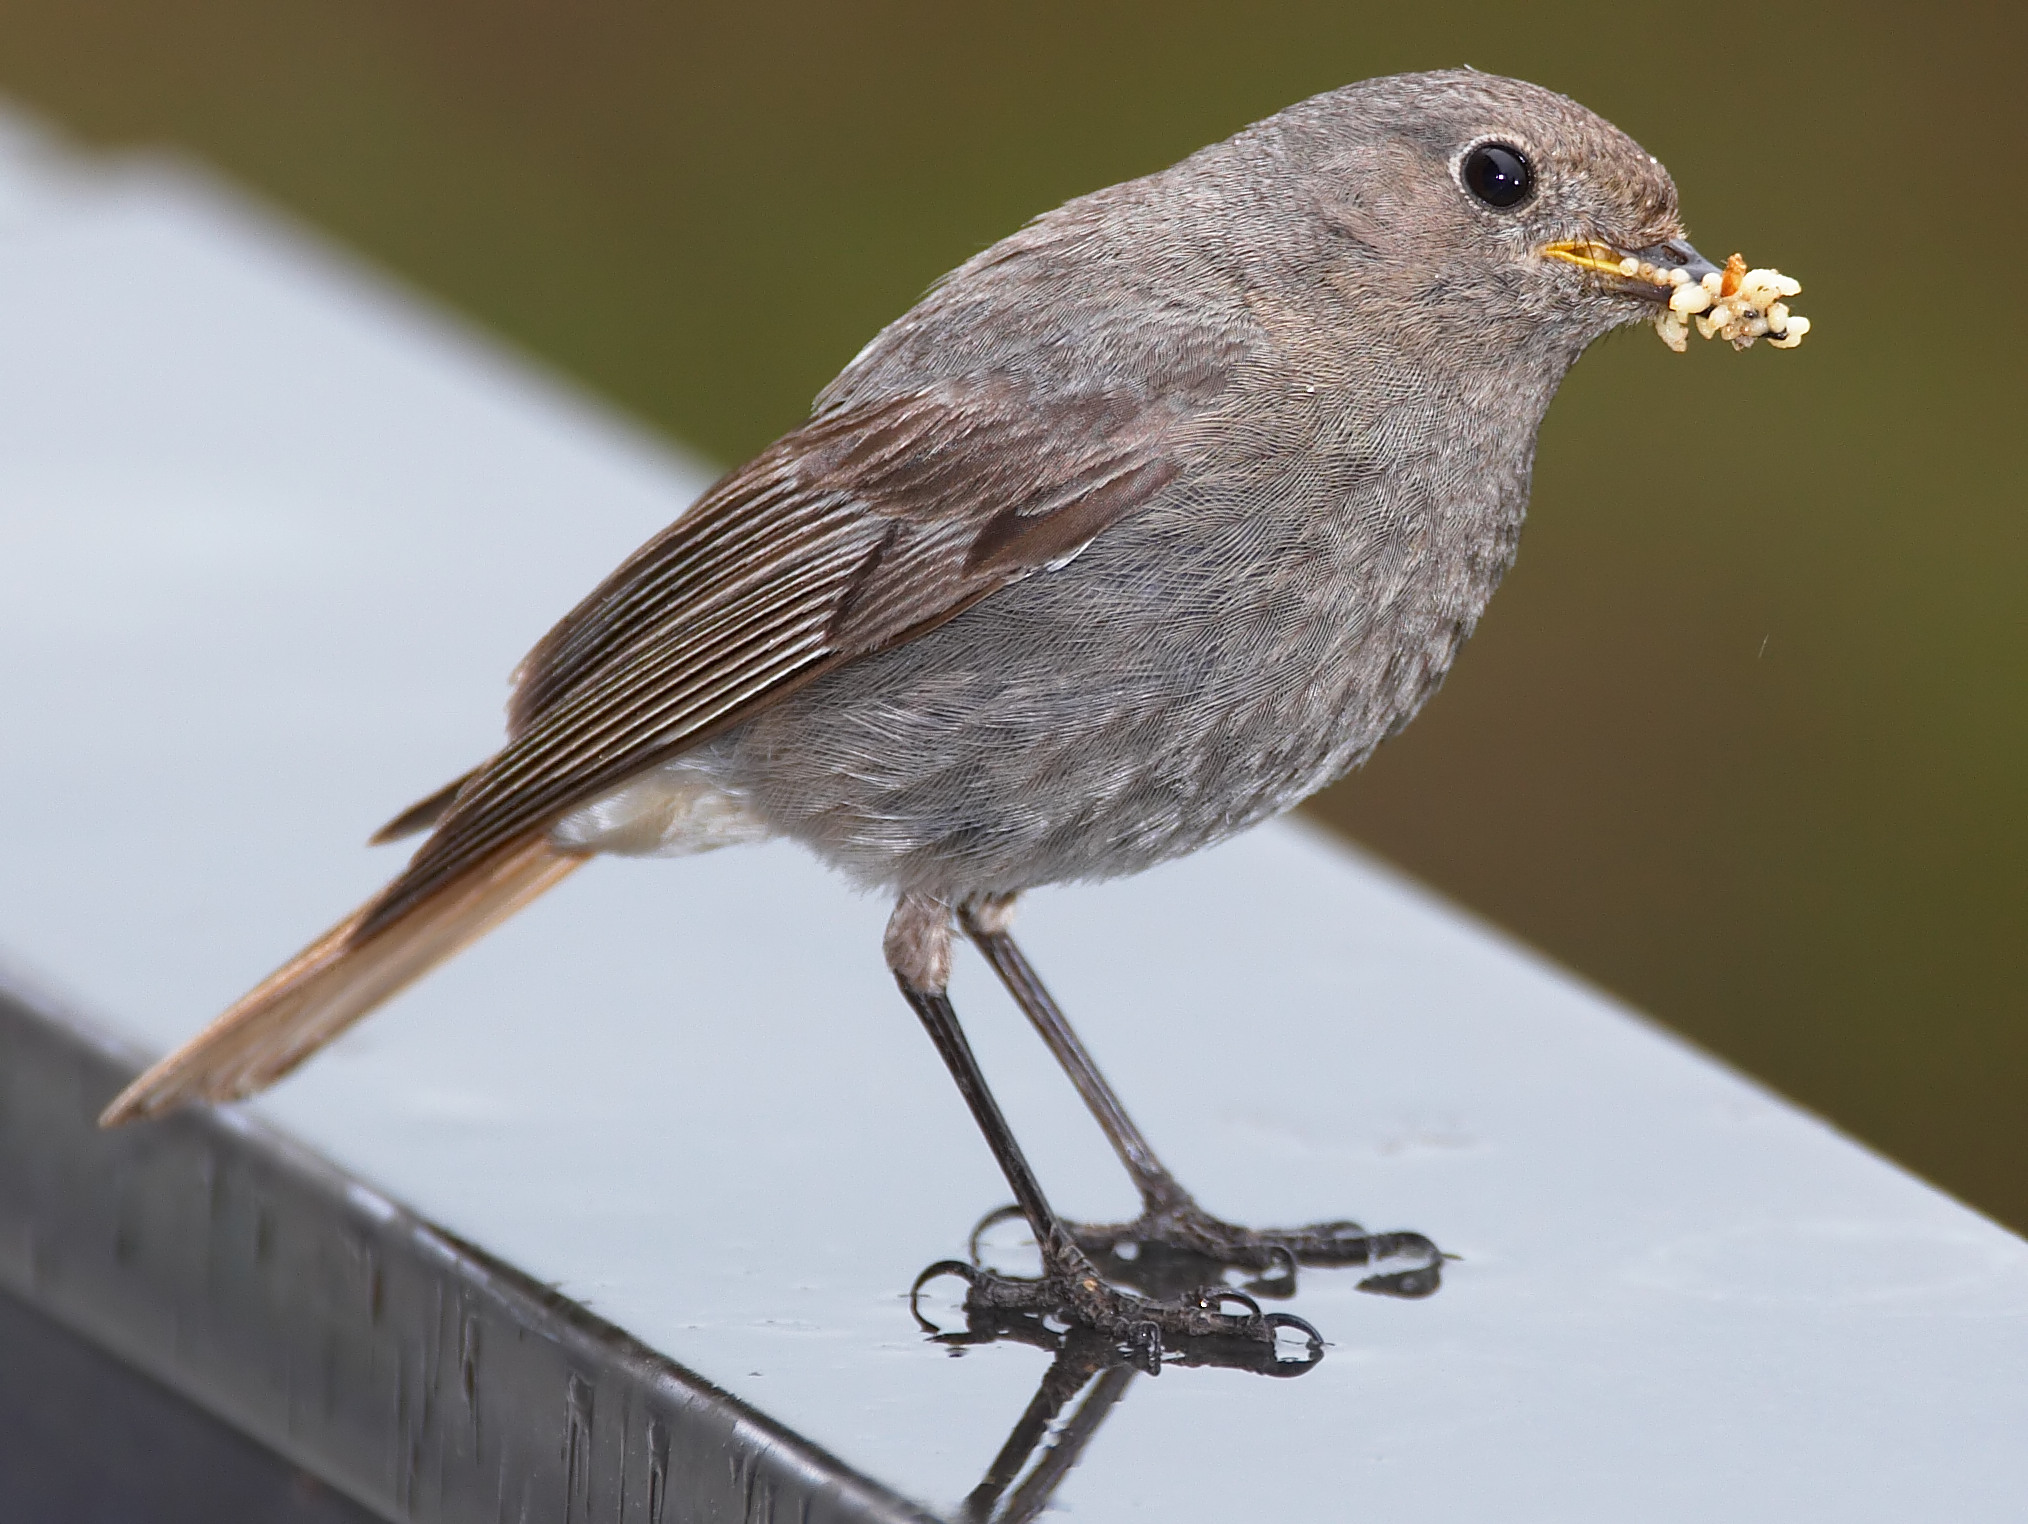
{"x": 1170, "y": 1217}
{"x": 918, "y": 951}
{"x": 1039, "y": 1435}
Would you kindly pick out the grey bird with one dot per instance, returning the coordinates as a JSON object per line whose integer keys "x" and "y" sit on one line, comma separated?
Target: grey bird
{"x": 1144, "y": 524}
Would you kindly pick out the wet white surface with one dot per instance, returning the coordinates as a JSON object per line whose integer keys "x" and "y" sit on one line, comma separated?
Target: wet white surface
{"x": 271, "y": 537}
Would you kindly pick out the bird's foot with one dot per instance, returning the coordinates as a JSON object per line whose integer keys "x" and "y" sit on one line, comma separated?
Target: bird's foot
{"x": 1070, "y": 1293}
{"x": 1175, "y": 1246}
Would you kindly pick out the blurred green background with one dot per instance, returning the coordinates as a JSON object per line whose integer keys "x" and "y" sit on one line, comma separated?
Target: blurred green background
{"x": 1743, "y": 737}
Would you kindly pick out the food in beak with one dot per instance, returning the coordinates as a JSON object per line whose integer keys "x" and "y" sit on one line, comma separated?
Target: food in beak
{"x": 1734, "y": 303}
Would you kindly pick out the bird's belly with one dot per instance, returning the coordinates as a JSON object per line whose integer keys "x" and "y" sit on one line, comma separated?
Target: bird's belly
{"x": 1088, "y": 723}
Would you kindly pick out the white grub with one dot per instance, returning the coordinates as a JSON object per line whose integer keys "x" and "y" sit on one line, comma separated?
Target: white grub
{"x": 1792, "y": 334}
{"x": 1689, "y": 298}
{"x": 1736, "y": 304}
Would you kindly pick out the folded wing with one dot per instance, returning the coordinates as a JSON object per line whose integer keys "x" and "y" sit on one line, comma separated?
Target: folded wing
{"x": 867, "y": 526}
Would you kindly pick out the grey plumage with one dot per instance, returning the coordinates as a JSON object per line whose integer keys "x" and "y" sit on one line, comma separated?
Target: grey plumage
{"x": 1144, "y": 524}
{"x": 1344, "y": 406}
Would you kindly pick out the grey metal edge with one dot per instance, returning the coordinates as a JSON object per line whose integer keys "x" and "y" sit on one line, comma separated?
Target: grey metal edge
{"x": 408, "y": 1369}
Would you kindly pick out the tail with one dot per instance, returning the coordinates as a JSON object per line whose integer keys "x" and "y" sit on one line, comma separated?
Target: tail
{"x": 336, "y": 980}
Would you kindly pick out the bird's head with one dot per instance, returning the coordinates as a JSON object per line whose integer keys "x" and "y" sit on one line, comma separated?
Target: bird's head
{"x": 1482, "y": 212}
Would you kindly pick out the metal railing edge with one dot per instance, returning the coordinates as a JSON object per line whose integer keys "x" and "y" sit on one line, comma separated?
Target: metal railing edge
{"x": 409, "y": 1369}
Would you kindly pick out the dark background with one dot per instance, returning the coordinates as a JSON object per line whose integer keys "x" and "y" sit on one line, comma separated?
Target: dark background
{"x": 87, "y": 1439}
{"x": 1743, "y": 738}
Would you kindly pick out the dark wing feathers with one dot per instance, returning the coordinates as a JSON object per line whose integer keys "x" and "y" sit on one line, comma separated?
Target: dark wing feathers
{"x": 867, "y": 526}
{"x": 1041, "y": 536}
{"x": 423, "y": 814}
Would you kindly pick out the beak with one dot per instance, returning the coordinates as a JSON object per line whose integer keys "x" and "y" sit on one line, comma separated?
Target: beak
{"x": 1650, "y": 273}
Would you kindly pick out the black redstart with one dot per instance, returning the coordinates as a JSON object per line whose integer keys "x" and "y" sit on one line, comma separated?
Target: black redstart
{"x": 1144, "y": 524}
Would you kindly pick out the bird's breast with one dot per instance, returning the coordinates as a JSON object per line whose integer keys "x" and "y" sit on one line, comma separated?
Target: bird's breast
{"x": 1203, "y": 665}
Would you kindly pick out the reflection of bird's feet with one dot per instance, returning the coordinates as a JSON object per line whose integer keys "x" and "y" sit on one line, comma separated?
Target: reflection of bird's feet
{"x": 1071, "y": 1292}
{"x": 1175, "y": 1246}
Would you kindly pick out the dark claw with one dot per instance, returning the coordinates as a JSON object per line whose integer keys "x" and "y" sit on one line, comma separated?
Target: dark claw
{"x": 1211, "y": 1298}
{"x": 986, "y": 1224}
{"x": 1313, "y": 1341}
{"x": 1413, "y": 1266}
{"x": 969, "y": 1274}
{"x": 1409, "y": 1285}
{"x": 1282, "y": 1286}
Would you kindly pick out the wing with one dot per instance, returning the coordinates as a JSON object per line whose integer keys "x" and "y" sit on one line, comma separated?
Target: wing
{"x": 871, "y": 524}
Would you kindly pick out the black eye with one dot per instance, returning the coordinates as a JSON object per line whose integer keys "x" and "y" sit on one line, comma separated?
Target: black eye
{"x": 1498, "y": 175}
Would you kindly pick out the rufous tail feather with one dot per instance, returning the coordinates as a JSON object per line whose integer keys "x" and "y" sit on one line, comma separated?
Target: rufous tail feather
{"x": 338, "y": 979}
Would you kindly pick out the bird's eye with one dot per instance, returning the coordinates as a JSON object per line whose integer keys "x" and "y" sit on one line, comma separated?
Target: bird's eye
{"x": 1498, "y": 175}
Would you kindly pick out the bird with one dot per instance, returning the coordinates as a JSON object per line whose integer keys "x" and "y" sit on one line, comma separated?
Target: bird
{"x": 1142, "y": 525}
